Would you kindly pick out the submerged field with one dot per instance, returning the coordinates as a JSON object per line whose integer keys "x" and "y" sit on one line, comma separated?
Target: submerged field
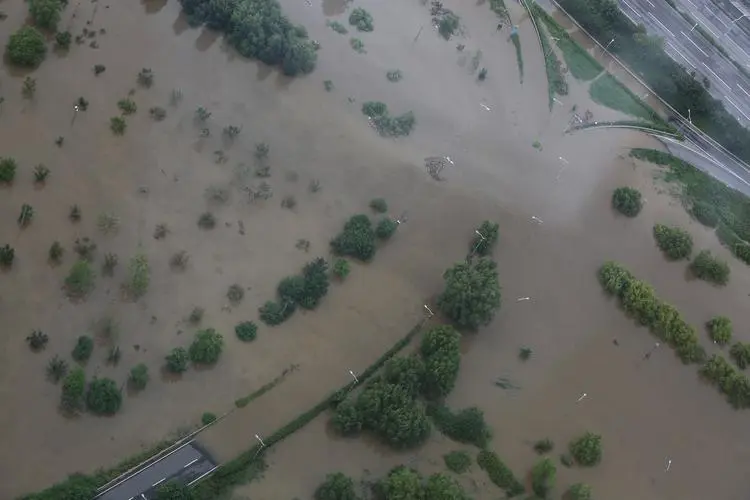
{"x": 549, "y": 192}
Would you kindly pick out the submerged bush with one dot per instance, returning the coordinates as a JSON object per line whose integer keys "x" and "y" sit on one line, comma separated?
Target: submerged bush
{"x": 457, "y": 461}
{"x": 728, "y": 380}
{"x": 499, "y": 473}
{"x": 26, "y": 47}
{"x": 709, "y": 268}
{"x": 705, "y": 214}
{"x": 720, "y": 329}
{"x": 587, "y": 449}
{"x": 740, "y": 352}
{"x": 361, "y": 19}
{"x": 472, "y": 293}
{"x": 206, "y": 347}
{"x": 336, "y": 487}
{"x": 627, "y": 201}
{"x": 676, "y": 243}
{"x": 356, "y": 240}
{"x": 485, "y": 237}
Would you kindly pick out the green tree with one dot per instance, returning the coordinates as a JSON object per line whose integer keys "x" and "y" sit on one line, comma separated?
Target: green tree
{"x": 442, "y": 356}
{"x": 472, "y": 293}
{"x": 740, "y": 352}
{"x": 26, "y": 47}
{"x": 172, "y": 490}
{"x": 720, "y": 329}
{"x": 103, "y": 396}
{"x": 465, "y": 426}
{"x": 315, "y": 284}
{"x": 587, "y": 449}
{"x": 73, "y": 388}
{"x": 45, "y": 13}
{"x": 246, "y": 331}
{"x": 139, "y": 276}
{"x": 385, "y": 228}
{"x": 341, "y": 268}
{"x": 401, "y": 483}
{"x": 393, "y": 414}
{"x": 709, "y": 268}
{"x": 83, "y": 348}
{"x": 356, "y": 240}
{"x": 457, "y": 461}
{"x": 177, "y": 360}
{"x": 361, "y": 19}
{"x": 347, "y": 420}
{"x": 485, "y": 237}
{"x": 543, "y": 477}
{"x": 627, "y": 201}
{"x": 443, "y": 487}
{"x": 676, "y": 243}
{"x": 206, "y": 347}
{"x": 337, "y": 486}
{"x": 80, "y": 279}
{"x": 407, "y": 372}
{"x": 579, "y": 491}
{"x": 139, "y": 376}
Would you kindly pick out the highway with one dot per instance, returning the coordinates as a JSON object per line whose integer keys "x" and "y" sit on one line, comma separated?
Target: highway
{"x": 686, "y": 45}
{"x": 185, "y": 464}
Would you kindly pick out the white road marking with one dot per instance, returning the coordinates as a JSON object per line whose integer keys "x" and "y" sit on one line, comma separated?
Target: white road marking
{"x": 680, "y": 54}
{"x": 717, "y": 76}
{"x": 737, "y": 108}
{"x": 738, "y": 47}
{"x": 692, "y": 4}
{"x": 694, "y": 44}
{"x": 159, "y": 482}
{"x": 661, "y": 24}
{"x": 745, "y": 91}
{"x": 652, "y": 5}
{"x": 629, "y": 18}
{"x": 190, "y": 462}
{"x": 705, "y": 25}
{"x": 631, "y": 8}
{"x": 706, "y": 155}
{"x": 722, "y": 22}
{"x": 202, "y": 475}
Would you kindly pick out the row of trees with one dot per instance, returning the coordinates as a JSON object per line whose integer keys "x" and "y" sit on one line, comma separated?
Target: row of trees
{"x": 305, "y": 290}
{"x": 645, "y": 55}
{"x": 401, "y": 483}
{"x": 101, "y": 397}
{"x": 358, "y": 237}
{"x": 258, "y": 29}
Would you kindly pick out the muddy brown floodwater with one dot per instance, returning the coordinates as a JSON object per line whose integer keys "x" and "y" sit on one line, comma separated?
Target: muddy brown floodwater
{"x": 157, "y": 173}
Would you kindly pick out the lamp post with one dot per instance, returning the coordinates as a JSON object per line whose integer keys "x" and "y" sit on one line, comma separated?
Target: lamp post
{"x": 731, "y": 25}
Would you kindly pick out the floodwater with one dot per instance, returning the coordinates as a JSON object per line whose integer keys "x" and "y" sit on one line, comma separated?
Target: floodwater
{"x": 158, "y": 172}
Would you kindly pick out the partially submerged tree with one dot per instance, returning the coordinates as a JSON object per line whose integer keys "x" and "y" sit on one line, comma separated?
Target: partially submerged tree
{"x": 206, "y": 347}
{"x": 26, "y": 47}
{"x": 103, "y": 396}
{"x": 472, "y": 293}
{"x": 337, "y": 486}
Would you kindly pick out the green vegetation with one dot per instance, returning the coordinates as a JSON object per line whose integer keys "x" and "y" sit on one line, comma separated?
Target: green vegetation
{"x": 457, "y": 461}
{"x": 246, "y": 331}
{"x": 385, "y": 228}
{"x": 358, "y": 45}
{"x": 206, "y": 347}
{"x": 709, "y": 268}
{"x": 127, "y": 106}
{"x": 341, "y": 268}
{"x": 8, "y": 167}
{"x": 556, "y": 83}
{"x": 41, "y": 173}
{"x": 336, "y": 487}
{"x": 543, "y": 477}
{"x": 384, "y": 123}
{"x": 26, "y": 47}
{"x": 55, "y": 252}
{"x": 579, "y": 491}
{"x": 472, "y": 293}
{"x": 63, "y": 40}
{"x": 485, "y": 237}
{"x": 83, "y": 349}
{"x": 448, "y": 24}
{"x": 73, "y": 388}
{"x": 676, "y": 243}
{"x": 57, "y": 368}
{"x": 627, "y": 201}
{"x": 499, "y": 473}
{"x": 720, "y": 330}
{"x": 337, "y": 27}
{"x": 138, "y": 377}
{"x": 544, "y": 446}
{"x": 729, "y": 381}
{"x": 235, "y": 294}
{"x": 46, "y": 13}
{"x": 379, "y": 205}
{"x": 740, "y": 352}
{"x": 103, "y": 396}
{"x": 361, "y": 19}
{"x": 640, "y": 301}
{"x": 258, "y": 29}
{"x": 587, "y": 449}
{"x": 7, "y": 255}
{"x": 139, "y": 276}
{"x": 177, "y": 360}
{"x": 26, "y": 215}
{"x": 173, "y": 490}
{"x": 465, "y": 426}
{"x": 519, "y": 56}
{"x": 356, "y": 240}
{"x": 394, "y": 75}
{"x": 207, "y": 418}
{"x": 609, "y": 91}
{"x": 408, "y": 484}
{"x": 118, "y": 125}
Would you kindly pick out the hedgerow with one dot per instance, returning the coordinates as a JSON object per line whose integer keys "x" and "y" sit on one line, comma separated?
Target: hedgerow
{"x": 499, "y": 473}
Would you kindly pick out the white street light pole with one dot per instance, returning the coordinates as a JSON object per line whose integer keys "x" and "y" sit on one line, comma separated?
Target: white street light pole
{"x": 607, "y": 46}
{"x": 731, "y": 25}
{"x": 260, "y": 440}
{"x": 356, "y": 380}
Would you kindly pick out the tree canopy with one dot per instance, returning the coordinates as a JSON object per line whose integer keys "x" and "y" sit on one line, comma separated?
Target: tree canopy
{"x": 337, "y": 486}
{"x": 472, "y": 293}
{"x": 207, "y": 347}
{"x": 103, "y": 396}
{"x": 45, "y": 13}
{"x": 26, "y": 47}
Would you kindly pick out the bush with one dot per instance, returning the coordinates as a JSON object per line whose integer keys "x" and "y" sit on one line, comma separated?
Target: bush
{"x": 341, "y": 268}
{"x": 206, "y": 347}
{"x": 139, "y": 377}
{"x": 627, "y": 201}
{"x": 206, "y": 220}
{"x": 55, "y": 252}
{"x": 127, "y": 106}
{"x": 83, "y": 349}
{"x": 720, "y": 330}
{"x": 742, "y": 252}
{"x": 448, "y": 25}
{"x": 26, "y": 47}
{"x": 442, "y": 357}
{"x": 274, "y": 313}
{"x": 257, "y": 29}
{"x": 579, "y": 491}
{"x": 587, "y": 449}
{"x": 37, "y": 340}
{"x": 347, "y": 420}
{"x": 385, "y": 228}
{"x": 740, "y": 352}
{"x": 63, "y": 39}
{"x": 709, "y": 268}
{"x": 379, "y": 205}
{"x": 361, "y": 19}
{"x": 457, "y": 461}
{"x": 356, "y": 240}
{"x": 207, "y": 418}
{"x": 118, "y": 125}
{"x": 73, "y": 388}
{"x": 336, "y": 487}
{"x": 7, "y": 255}
{"x": 8, "y": 168}
{"x": 57, "y": 368}
{"x": 246, "y": 331}
{"x": 499, "y": 473}
{"x": 485, "y": 237}
{"x": 177, "y": 360}
{"x": 465, "y": 426}
{"x": 676, "y": 243}
{"x": 705, "y": 214}
{"x": 103, "y": 396}
{"x": 401, "y": 482}
{"x": 384, "y": 123}
{"x": 544, "y": 446}
{"x": 543, "y": 477}
{"x": 235, "y": 294}
{"x": 472, "y": 293}
{"x": 80, "y": 279}
{"x": 443, "y": 487}
{"x": 315, "y": 284}
{"x": 729, "y": 381}
{"x": 139, "y": 276}
{"x": 45, "y": 13}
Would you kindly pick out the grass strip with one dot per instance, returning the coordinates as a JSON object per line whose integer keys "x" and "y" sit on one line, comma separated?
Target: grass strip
{"x": 243, "y": 402}
{"x": 655, "y": 127}
{"x": 519, "y": 57}
{"x": 556, "y": 83}
{"x": 610, "y": 92}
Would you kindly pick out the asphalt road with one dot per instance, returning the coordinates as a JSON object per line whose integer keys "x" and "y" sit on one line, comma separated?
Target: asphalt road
{"x": 690, "y": 49}
{"x": 724, "y": 20}
{"x": 185, "y": 464}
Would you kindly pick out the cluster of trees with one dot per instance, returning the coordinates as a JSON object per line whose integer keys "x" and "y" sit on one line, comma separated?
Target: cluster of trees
{"x": 639, "y": 300}
{"x": 258, "y": 29}
{"x": 709, "y": 268}
{"x": 305, "y": 290}
{"x": 587, "y": 449}
{"x": 385, "y": 124}
{"x": 46, "y": 13}
{"x": 358, "y": 238}
{"x": 485, "y": 238}
{"x": 543, "y": 476}
{"x": 499, "y": 473}
{"x": 675, "y": 242}
{"x": 464, "y": 426}
{"x": 645, "y": 55}
{"x": 627, "y": 201}
{"x": 26, "y": 47}
{"x": 472, "y": 293}
{"x": 740, "y": 352}
{"x": 390, "y": 404}
{"x": 720, "y": 329}
{"x": 101, "y": 397}
{"x": 401, "y": 483}
{"x": 728, "y": 380}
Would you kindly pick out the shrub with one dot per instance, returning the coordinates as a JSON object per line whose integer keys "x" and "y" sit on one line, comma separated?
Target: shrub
{"x": 73, "y": 388}
{"x": 207, "y": 418}
{"x": 145, "y": 77}
{"x": 627, "y": 201}
{"x": 384, "y": 123}
{"x": 482, "y": 75}
{"x": 347, "y": 420}
{"x": 457, "y": 461}
{"x": 676, "y": 243}
{"x": 579, "y": 491}
{"x": 85, "y": 248}
{"x": 127, "y": 106}
{"x": 103, "y": 396}
{"x": 55, "y": 252}
{"x": 173, "y": 490}
{"x": 206, "y": 347}
{"x": 63, "y": 39}
{"x": 26, "y": 47}
{"x": 41, "y": 173}
{"x": 720, "y": 329}
{"x": 57, "y": 368}
{"x": 361, "y": 19}
{"x": 394, "y": 76}
{"x": 742, "y": 252}
{"x": 8, "y": 168}
{"x": 472, "y": 293}
{"x": 177, "y": 360}
{"x": 179, "y": 260}
{"x": 400, "y": 483}
{"x": 448, "y": 25}
{"x": 341, "y": 268}
{"x": 356, "y": 240}
{"x": 108, "y": 223}
{"x": 114, "y": 355}
{"x": 587, "y": 449}
{"x": 157, "y": 113}
{"x": 709, "y": 268}
{"x": 732, "y": 383}
{"x": 99, "y": 69}
{"x": 37, "y": 340}
{"x": 443, "y": 487}
{"x": 740, "y": 352}
{"x": 196, "y": 315}
{"x": 705, "y": 214}
{"x": 7, "y": 255}
{"x": 139, "y": 276}
{"x": 524, "y": 353}
{"x": 336, "y": 487}
{"x": 274, "y": 313}
{"x": 385, "y": 228}
{"x": 110, "y": 262}
{"x": 235, "y": 294}
{"x": 544, "y": 446}
{"x": 246, "y": 331}
{"x": 117, "y": 125}
{"x": 83, "y": 348}
{"x": 206, "y": 220}
{"x": 75, "y": 213}
{"x": 45, "y": 13}
{"x": 29, "y": 87}
{"x": 139, "y": 377}
{"x": 543, "y": 477}
{"x": 465, "y": 426}
{"x": 442, "y": 356}
{"x": 337, "y": 27}
{"x": 499, "y": 473}
{"x": 379, "y": 205}
{"x": 485, "y": 237}
{"x": 26, "y": 215}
